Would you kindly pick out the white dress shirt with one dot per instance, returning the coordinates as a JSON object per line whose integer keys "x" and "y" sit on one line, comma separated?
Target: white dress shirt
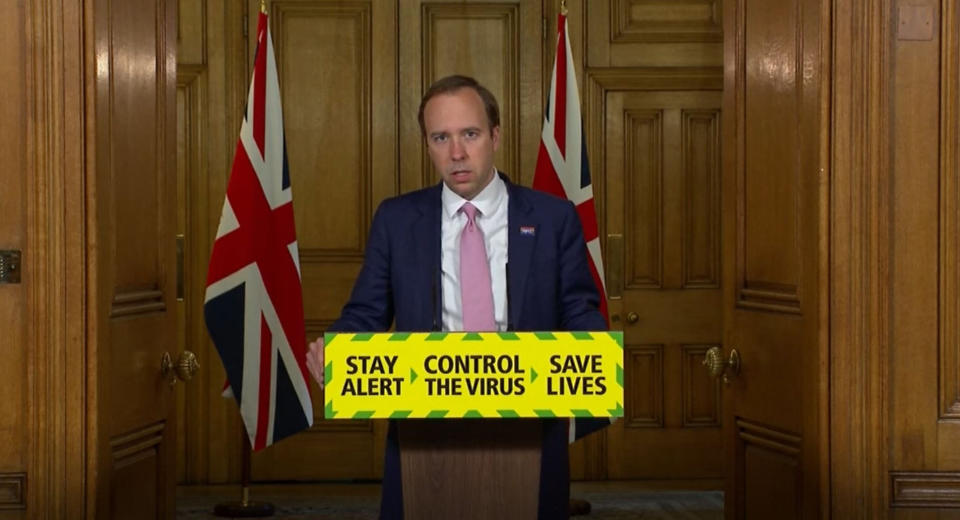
{"x": 492, "y": 221}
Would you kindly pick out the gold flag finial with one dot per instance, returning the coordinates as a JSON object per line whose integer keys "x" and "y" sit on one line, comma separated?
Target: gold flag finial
{"x": 263, "y": 6}
{"x": 563, "y": 7}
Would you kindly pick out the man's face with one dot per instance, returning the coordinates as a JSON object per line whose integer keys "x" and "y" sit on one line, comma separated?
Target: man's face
{"x": 460, "y": 140}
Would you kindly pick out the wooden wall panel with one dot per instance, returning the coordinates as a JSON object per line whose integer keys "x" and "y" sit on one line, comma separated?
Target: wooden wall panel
{"x": 768, "y": 256}
{"x": 497, "y": 43}
{"x": 451, "y": 35}
{"x": 134, "y": 158}
{"x": 14, "y": 112}
{"x": 700, "y": 393}
{"x": 13, "y": 135}
{"x": 949, "y": 143}
{"x": 700, "y": 154}
{"x": 191, "y": 32}
{"x": 926, "y": 489}
{"x": 770, "y": 469}
{"x": 324, "y": 61}
{"x": 643, "y": 149}
{"x": 654, "y": 33}
{"x": 139, "y": 470}
{"x": 13, "y": 492}
{"x": 915, "y": 397}
{"x": 666, "y": 21}
{"x": 925, "y": 383}
{"x": 643, "y": 382}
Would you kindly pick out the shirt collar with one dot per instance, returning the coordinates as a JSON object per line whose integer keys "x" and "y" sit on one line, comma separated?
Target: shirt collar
{"x": 487, "y": 201}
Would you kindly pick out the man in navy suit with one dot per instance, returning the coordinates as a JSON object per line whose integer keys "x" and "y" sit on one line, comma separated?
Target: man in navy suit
{"x": 411, "y": 276}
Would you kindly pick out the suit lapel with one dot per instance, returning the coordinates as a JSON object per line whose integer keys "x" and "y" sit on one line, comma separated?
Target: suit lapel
{"x": 426, "y": 235}
{"x": 521, "y": 242}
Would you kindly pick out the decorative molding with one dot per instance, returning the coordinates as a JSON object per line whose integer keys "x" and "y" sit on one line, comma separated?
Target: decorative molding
{"x": 769, "y": 439}
{"x": 949, "y": 359}
{"x": 191, "y": 39}
{"x": 655, "y": 78}
{"x": 135, "y": 446}
{"x": 13, "y": 491}
{"x": 360, "y": 15}
{"x": 772, "y": 455}
{"x": 701, "y": 174}
{"x": 338, "y": 426}
{"x": 643, "y": 179}
{"x": 509, "y": 16}
{"x": 939, "y": 489}
{"x": 860, "y": 213}
{"x": 137, "y": 302}
{"x": 767, "y": 296}
{"x": 666, "y": 21}
{"x": 330, "y": 256}
{"x": 644, "y": 387}
{"x": 56, "y": 304}
{"x": 194, "y": 205}
{"x": 692, "y": 357}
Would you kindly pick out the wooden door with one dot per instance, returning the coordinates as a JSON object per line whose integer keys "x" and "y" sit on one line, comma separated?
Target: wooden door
{"x": 663, "y": 256}
{"x": 774, "y": 198}
{"x": 651, "y": 100}
{"x": 131, "y": 317}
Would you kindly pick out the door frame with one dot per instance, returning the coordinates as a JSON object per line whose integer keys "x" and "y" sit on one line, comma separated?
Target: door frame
{"x": 858, "y": 175}
{"x": 61, "y": 388}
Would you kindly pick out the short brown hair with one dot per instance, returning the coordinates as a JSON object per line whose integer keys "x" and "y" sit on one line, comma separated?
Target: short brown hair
{"x": 454, "y": 83}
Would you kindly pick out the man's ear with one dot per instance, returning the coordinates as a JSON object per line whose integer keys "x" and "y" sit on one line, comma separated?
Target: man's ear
{"x": 495, "y": 137}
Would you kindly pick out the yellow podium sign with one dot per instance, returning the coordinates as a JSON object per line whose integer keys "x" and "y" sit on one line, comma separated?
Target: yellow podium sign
{"x": 473, "y": 374}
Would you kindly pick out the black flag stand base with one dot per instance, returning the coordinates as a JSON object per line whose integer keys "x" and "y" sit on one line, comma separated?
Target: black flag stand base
{"x": 245, "y": 508}
{"x": 579, "y": 506}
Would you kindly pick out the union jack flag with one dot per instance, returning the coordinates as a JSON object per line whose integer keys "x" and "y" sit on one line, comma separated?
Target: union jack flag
{"x": 254, "y": 301}
{"x": 563, "y": 170}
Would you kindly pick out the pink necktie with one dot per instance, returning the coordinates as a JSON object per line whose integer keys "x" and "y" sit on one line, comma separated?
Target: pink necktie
{"x": 476, "y": 293}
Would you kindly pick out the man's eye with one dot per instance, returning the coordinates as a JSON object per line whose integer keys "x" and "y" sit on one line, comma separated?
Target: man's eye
{"x": 471, "y": 134}
{"x": 439, "y": 138}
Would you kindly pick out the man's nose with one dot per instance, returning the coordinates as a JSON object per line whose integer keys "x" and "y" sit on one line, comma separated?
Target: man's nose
{"x": 457, "y": 150}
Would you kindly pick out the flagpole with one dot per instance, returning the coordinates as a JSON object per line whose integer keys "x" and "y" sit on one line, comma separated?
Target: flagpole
{"x": 245, "y": 508}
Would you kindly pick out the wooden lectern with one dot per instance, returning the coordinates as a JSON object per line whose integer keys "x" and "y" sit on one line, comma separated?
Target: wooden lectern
{"x": 470, "y": 468}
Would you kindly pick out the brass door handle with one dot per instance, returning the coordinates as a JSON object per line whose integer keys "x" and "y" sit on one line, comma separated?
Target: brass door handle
{"x": 183, "y": 370}
{"x": 717, "y": 367}
{"x": 632, "y": 317}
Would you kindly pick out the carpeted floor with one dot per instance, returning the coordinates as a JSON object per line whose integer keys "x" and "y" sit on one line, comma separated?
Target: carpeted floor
{"x": 607, "y": 505}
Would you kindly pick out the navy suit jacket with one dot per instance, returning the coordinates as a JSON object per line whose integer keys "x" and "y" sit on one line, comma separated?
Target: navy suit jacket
{"x": 549, "y": 286}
